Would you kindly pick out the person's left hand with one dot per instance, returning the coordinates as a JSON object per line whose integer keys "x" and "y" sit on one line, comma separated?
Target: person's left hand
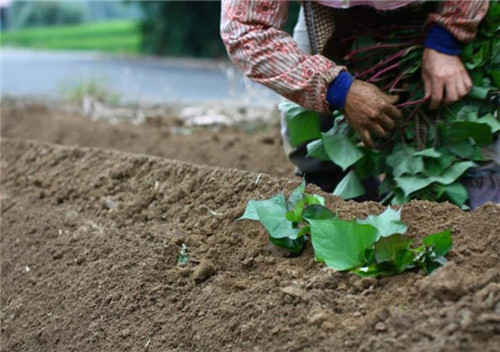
{"x": 445, "y": 78}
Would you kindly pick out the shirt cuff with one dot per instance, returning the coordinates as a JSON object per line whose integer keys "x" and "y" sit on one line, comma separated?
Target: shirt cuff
{"x": 338, "y": 89}
{"x": 440, "y": 39}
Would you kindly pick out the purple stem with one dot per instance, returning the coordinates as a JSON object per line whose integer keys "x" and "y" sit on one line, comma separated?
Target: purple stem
{"x": 378, "y": 74}
{"x": 412, "y": 113}
{"x": 386, "y": 61}
{"x": 414, "y": 102}
{"x": 380, "y": 46}
{"x": 396, "y": 81}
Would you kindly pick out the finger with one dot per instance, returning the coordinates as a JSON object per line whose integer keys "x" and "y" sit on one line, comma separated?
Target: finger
{"x": 427, "y": 86}
{"x": 393, "y": 112}
{"x": 462, "y": 88}
{"x": 436, "y": 95}
{"x": 386, "y": 122}
{"x": 468, "y": 83}
{"x": 367, "y": 139}
{"x": 451, "y": 93}
{"x": 378, "y": 130}
{"x": 393, "y": 99}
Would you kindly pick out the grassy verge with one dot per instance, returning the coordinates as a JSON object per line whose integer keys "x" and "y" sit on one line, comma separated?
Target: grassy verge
{"x": 111, "y": 36}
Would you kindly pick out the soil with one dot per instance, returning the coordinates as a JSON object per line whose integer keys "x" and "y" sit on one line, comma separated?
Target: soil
{"x": 90, "y": 240}
{"x": 254, "y": 147}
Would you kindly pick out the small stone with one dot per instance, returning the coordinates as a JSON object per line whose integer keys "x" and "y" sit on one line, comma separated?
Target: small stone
{"x": 203, "y": 271}
{"x": 173, "y": 275}
{"x": 317, "y": 316}
{"x": 125, "y": 332}
{"x": 108, "y": 203}
{"x": 293, "y": 291}
{"x": 156, "y": 288}
{"x": 380, "y": 326}
{"x": 364, "y": 283}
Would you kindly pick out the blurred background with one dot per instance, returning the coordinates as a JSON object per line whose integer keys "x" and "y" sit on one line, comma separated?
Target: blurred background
{"x": 123, "y": 52}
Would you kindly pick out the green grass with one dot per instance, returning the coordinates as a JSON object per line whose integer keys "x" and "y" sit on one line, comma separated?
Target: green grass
{"x": 120, "y": 36}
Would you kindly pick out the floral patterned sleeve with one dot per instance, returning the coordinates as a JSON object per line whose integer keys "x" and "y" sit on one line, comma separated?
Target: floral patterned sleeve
{"x": 460, "y": 17}
{"x": 253, "y": 36}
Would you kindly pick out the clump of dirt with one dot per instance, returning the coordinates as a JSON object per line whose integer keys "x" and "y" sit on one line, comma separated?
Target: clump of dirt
{"x": 90, "y": 241}
{"x": 251, "y": 146}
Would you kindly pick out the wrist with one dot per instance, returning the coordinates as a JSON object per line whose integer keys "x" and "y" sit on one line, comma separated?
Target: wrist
{"x": 337, "y": 90}
{"x": 441, "y": 40}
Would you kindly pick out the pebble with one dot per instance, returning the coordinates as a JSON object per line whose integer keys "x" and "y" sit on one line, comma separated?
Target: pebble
{"x": 380, "y": 326}
{"x": 293, "y": 291}
{"x": 203, "y": 271}
{"x": 125, "y": 332}
{"x": 317, "y": 316}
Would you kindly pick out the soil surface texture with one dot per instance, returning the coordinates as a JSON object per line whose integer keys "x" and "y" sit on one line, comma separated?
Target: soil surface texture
{"x": 251, "y": 146}
{"x": 90, "y": 240}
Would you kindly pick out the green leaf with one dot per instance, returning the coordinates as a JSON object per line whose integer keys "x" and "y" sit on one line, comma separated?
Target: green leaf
{"x": 491, "y": 121}
{"x": 404, "y": 161}
{"x": 318, "y": 212}
{"x": 464, "y": 149}
{"x": 463, "y": 130}
{"x": 436, "y": 166}
{"x": 341, "y": 150}
{"x": 456, "y": 193}
{"x": 350, "y": 187}
{"x": 272, "y": 214}
{"x": 429, "y": 153}
{"x": 294, "y": 245}
{"x": 313, "y": 199}
{"x": 295, "y": 215}
{"x": 440, "y": 242}
{"x": 316, "y": 149}
{"x": 479, "y": 93}
{"x": 395, "y": 250}
{"x": 375, "y": 270}
{"x": 370, "y": 164}
{"x": 410, "y": 184}
{"x": 495, "y": 74}
{"x": 303, "y": 125}
{"x": 296, "y": 195}
{"x": 250, "y": 212}
{"x": 341, "y": 244}
{"x": 387, "y": 223}
{"x": 452, "y": 173}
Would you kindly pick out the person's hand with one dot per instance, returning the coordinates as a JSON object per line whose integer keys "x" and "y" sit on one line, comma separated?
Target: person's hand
{"x": 445, "y": 78}
{"x": 369, "y": 110}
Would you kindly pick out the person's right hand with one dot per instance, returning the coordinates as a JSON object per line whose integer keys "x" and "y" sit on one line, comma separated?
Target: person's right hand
{"x": 369, "y": 110}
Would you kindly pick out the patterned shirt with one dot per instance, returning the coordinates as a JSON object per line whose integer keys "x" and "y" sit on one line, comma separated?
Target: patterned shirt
{"x": 253, "y": 36}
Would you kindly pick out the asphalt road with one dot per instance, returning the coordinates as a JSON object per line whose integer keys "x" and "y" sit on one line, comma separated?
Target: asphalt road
{"x": 136, "y": 80}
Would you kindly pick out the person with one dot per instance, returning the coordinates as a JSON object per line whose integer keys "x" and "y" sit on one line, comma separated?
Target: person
{"x": 300, "y": 70}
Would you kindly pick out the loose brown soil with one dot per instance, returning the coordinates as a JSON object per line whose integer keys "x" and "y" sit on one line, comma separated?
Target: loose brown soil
{"x": 251, "y": 147}
{"x": 89, "y": 246}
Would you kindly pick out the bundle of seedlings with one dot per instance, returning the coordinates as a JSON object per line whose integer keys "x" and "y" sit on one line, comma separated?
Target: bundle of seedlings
{"x": 430, "y": 151}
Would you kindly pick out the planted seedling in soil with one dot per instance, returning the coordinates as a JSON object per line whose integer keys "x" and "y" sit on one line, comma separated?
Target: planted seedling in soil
{"x": 375, "y": 246}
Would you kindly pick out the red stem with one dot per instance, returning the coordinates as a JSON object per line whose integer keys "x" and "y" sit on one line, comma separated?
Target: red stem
{"x": 380, "y": 46}
{"x": 396, "y": 81}
{"x": 414, "y": 102}
{"x": 386, "y": 61}
{"x": 378, "y": 74}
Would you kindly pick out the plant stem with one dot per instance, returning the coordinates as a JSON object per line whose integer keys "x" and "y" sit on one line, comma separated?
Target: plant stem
{"x": 378, "y": 74}
{"x": 382, "y": 63}
{"x": 379, "y": 46}
{"x": 414, "y": 102}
